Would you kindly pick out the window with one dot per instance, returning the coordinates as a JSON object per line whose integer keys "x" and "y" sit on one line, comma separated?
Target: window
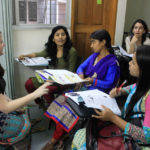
{"x": 41, "y": 12}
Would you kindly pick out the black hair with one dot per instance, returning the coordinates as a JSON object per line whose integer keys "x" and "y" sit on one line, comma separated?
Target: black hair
{"x": 144, "y": 26}
{"x": 143, "y": 82}
{"x": 51, "y": 47}
{"x": 1, "y": 68}
{"x": 103, "y": 35}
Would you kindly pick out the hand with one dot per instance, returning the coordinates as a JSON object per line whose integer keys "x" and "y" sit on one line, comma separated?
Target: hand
{"x": 114, "y": 93}
{"x": 106, "y": 114}
{"x": 78, "y": 86}
{"x": 21, "y": 57}
{"x": 90, "y": 80}
{"x": 41, "y": 90}
{"x": 134, "y": 39}
{"x": 50, "y": 82}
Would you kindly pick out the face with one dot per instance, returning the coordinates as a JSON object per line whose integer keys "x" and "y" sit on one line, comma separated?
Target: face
{"x": 133, "y": 67}
{"x": 1, "y": 45}
{"x": 60, "y": 37}
{"x": 138, "y": 30}
{"x": 97, "y": 45}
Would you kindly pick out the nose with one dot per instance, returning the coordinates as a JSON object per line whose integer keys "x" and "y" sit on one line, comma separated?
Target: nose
{"x": 60, "y": 36}
{"x": 130, "y": 62}
{"x": 91, "y": 45}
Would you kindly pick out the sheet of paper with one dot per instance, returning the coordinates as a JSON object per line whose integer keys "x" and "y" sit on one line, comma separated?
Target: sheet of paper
{"x": 63, "y": 76}
{"x": 96, "y": 98}
{"x": 36, "y": 61}
{"x": 124, "y": 52}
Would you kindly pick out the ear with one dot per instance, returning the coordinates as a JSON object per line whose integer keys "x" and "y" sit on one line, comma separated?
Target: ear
{"x": 104, "y": 42}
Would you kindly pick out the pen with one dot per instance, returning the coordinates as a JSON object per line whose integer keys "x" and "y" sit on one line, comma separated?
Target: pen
{"x": 118, "y": 89}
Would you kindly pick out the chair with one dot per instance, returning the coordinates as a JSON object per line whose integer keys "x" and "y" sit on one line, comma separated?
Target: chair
{"x": 79, "y": 61}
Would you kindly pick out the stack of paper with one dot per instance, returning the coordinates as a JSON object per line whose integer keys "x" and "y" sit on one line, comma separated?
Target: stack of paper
{"x": 94, "y": 99}
{"x": 36, "y": 61}
{"x": 59, "y": 76}
{"x": 122, "y": 51}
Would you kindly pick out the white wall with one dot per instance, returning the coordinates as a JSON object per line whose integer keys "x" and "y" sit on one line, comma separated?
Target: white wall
{"x": 146, "y": 12}
{"x": 27, "y": 41}
{"x": 137, "y": 9}
{"x": 120, "y": 21}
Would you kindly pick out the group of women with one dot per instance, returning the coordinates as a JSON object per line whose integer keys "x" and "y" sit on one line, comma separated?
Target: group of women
{"x": 102, "y": 72}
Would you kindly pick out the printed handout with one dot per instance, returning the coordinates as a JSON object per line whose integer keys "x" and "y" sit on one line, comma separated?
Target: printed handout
{"x": 36, "y": 61}
{"x": 94, "y": 99}
{"x": 60, "y": 76}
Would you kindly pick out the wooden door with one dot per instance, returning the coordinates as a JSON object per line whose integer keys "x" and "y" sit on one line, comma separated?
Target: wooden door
{"x": 88, "y": 16}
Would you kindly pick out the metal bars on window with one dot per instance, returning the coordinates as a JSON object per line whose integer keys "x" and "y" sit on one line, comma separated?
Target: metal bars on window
{"x": 42, "y": 11}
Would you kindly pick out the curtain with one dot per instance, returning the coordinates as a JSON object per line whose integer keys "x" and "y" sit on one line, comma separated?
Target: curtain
{"x": 7, "y": 60}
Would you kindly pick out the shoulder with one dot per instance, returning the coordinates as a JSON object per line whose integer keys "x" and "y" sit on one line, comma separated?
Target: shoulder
{"x": 128, "y": 38}
{"x": 72, "y": 50}
{"x": 147, "y": 41}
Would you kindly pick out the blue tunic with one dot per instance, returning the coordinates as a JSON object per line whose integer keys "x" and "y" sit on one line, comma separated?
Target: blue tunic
{"x": 107, "y": 72}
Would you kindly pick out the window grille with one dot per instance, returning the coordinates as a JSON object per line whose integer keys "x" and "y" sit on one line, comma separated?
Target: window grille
{"x": 31, "y": 12}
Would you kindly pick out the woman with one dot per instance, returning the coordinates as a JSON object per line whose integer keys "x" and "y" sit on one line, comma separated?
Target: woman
{"x": 102, "y": 72}
{"x": 138, "y": 36}
{"x": 138, "y": 101}
{"x": 10, "y": 119}
{"x": 63, "y": 56}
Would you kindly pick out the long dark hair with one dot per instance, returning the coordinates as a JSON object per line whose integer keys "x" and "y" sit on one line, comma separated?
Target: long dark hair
{"x": 1, "y": 68}
{"x": 144, "y": 26}
{"x": 103, "y": 35}
{"x": 143, "y": 82}
{"x": 51, "y": 46}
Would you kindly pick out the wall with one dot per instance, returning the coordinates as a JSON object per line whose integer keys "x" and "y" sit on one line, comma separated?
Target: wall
{"x": 26, "y": 41}
{"x": 146, "y": 12}
{"x": 120, "y": 21}
{"x": 136, "y": 9}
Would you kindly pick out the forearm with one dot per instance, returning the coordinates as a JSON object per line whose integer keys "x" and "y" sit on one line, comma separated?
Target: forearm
{"x": 119, "y": 122}
{"x": 131, "y": 48}
{"x": 137, "y": 133}
{"x": 32, "y": 55}
{"x": 17, "y": 103}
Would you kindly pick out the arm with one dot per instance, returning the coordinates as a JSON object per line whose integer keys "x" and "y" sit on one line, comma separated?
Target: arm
{"x": 83, "y": 66}
{"x": 7, "y": 106}
{"x": 109, "y": 79}
{"x": 72, "y": 60}
{"x": 130, "y": 45}
{"x": 138, "y": 133}
{"x": 43, "y": 53}
{"x": 32, "y": 55}
{"x": 107, "y": 115}
{"x": 141, "y": 134}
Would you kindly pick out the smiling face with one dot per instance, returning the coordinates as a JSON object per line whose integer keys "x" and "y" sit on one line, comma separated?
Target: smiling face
{"x": 1, "y": 45}
{"x": 60, "y": 37}
{"x": 133, "y": 67}
{"x": 138, "y": 30}
{"x": 97, "y": 45}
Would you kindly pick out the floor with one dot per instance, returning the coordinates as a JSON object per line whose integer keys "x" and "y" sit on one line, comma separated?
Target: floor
{"x": 39, "y": 139}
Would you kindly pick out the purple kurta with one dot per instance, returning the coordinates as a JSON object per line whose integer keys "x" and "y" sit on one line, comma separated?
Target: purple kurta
{"x": 107, "y": 72}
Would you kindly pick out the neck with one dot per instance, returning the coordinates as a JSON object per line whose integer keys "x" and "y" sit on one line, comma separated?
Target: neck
{"x": 104, "y": 52}
{"x": 59, "y": 48}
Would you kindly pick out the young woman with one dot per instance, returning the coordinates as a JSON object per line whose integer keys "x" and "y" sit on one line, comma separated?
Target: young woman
{"x": 100, "y": 69}
{"x": 138, "y": 101}
{"x": 138, "y": 36}
{"x": 63, "y": 56}
{"x": 14, "y": 126}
